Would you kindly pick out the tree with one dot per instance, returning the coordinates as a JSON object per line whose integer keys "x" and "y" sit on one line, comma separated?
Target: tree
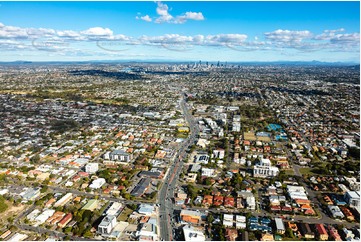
{"x": 88, "y": 234}
{"x": 208, "y": 181}
{"x": 35, "y": 158}
{"x": 44, "y": 189}
{"x": 3, "y": 205}
{"x": 132, "y": 206}
{"x": 67, "y": 230}
{"x": 210, "y": 218}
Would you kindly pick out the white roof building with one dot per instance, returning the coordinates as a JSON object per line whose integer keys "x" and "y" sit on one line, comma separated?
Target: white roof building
{"x": 64, "y": 200}
{"x": 148, "y": 230}
{"x": 107, "y": 224}
{"x": 251, "y": 203}
{"x": 47, "y": 213}
{"x": 193, "y": 234}
{"x": 114, "y": 209}
{"x": 207, "y": 172}
{"x": 97, "y": 183}
{"x": 146, "y": 209}
{"x": 18, "y": 237}
{"x": 91, "y": 167}
{"x": 353, "y": 199}
{"x": 240, "y": 218}
{"x": 336, "y": 211}
{"x": 297, "y": 192}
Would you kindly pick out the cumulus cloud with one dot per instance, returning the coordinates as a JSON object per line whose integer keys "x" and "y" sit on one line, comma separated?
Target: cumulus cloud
{"x": 346, "y": 38}
{"x": 98, "y": 31}
{"x": 9, "y": 32}
{"x": 68, "y": 34}
{"x": 194, "y": 16}
{"x": 189, "y": 16}
{"x": 18, "y": 38}
{"x": 162, "y": 9}
{"x": 146, "y": 18}
{"x": 287, "y": 36}
{"x": 328, "y": 34}
{"x": 226, "y": 39}
{"x": 164, "y": 16}
{"x": 304, "y": 40}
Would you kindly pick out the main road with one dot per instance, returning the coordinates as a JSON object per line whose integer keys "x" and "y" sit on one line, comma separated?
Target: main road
{"x": 166, "y": 193}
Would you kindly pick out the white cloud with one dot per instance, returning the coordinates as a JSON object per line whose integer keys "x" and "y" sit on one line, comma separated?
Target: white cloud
{"x": 189, "y": 16}
{"x": 287, "y": 36}
{"x": 68, "y": 33}
{"x": 328, "y": 34}
{"x": 11, "y": 32}
{"x": 226, "y": 39}
{"x": 164, "y": 16}
{"x": 146, "y": 18}
{"x": 194, "y": 16}
{"x": 98, "y": 31}
{"x": 15, "y": 38}
{"x": 162, "y": 9}
{"x": 346, "y": 38}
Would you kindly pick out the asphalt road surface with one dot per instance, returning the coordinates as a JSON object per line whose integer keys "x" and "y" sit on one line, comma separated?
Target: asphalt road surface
{"x": 166, "y": 194}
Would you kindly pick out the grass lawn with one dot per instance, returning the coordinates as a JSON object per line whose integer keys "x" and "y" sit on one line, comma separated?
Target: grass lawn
{"x": 307, "y": 171}
{"x": 290, "y": 172}
{"x": 290, "y": 239}
{"x": 11, "y": 211}
{"x": 125, "y": 214}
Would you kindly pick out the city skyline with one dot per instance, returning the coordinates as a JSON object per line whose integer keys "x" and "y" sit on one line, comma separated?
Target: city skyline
{"x": 177, "y": 31}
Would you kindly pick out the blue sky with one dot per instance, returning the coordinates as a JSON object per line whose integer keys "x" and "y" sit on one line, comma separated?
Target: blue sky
{"x": 225, "y": 31}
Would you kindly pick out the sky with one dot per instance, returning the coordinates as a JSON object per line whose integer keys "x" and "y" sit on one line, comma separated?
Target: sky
{"x": 180, "y": 31}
